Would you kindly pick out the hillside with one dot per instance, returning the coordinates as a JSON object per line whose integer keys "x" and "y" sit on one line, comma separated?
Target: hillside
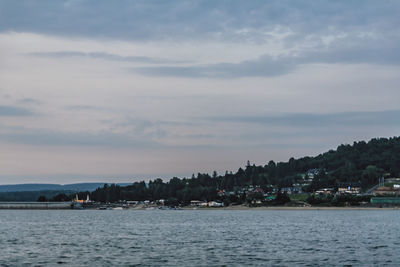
{"x": 363, "y": 162}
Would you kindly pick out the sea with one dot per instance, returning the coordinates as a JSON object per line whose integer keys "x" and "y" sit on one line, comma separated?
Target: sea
{"x": 200, "y": 237}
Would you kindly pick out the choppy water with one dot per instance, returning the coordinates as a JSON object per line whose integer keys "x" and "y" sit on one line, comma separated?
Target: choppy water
{"x": 199, "y": 238}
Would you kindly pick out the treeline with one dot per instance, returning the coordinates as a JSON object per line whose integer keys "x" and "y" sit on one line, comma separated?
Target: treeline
{"x": 47, "y": 195}
{"x": 363, "y": 162}
{"x": 338, "y": 200}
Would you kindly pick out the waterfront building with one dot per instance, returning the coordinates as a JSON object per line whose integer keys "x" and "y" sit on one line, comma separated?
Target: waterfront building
{"x": 349, "y": 188}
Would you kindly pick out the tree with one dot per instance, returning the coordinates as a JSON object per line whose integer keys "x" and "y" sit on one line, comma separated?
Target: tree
{"x": 371, "y": 174}
{"x": 172, "y": 202}
{"x": 42, "y": 199}
{"x": 61, "y": 197}
{"x": 282, "y": 198}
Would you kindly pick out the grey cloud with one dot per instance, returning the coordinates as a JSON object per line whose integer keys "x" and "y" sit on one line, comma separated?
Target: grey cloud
{"x": 150, "y": 19}
{"x": 351, "y": 51}
{"x": 177, "y": 123}
{"x": 29, "y": 101}
{"x": 370, "y": 30}
{"x": 378, "y": 118}
{"x": 49, "y": 137}
{"x": 264, "y": 66}
{"x": 84, "y": 107}
{"x": 14, "y": 111}
{"x": 44, "y": 137}
{"x": 103, "y": 56}
{"x": 143, "y": 125}
{"x": 377, "y": 50}
{"x": 139, "y": 127}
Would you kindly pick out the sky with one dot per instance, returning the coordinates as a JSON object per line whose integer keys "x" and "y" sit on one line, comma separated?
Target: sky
{"x": 121, "y": 91}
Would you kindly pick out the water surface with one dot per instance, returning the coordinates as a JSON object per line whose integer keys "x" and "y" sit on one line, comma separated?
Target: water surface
{"x": 200, "y": 237}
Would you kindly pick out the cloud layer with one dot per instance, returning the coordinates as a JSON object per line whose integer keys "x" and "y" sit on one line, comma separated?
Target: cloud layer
{"x": 138, "y": 89}
{"x": 144, "y": 20}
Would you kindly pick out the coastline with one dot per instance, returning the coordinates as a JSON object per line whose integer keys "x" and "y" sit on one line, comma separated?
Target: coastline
{"x": 243, "y": 208}
{"x": 292, "y": 208}
{"x": 69, "y": 205}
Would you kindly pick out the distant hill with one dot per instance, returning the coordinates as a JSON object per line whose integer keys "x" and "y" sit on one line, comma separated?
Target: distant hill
{"x": 79, "y": 187}
{"x": 31, "y": 195}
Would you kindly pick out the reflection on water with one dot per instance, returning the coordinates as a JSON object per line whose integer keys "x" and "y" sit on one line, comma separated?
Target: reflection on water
{"x": 177, "y": 238}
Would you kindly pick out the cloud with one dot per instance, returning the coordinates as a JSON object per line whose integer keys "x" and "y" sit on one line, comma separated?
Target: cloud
{"x": 84, "y": 107}
{"x": 264, "y": 66}
{"x": 175, "y": 19}
{"x": 47, "y": 137}
{"x": 351, "y": 51}
{"x": 103, "y": 56}
{"x": 132, "y": 133}
{"x": 308, "y": 32}
{"x": 376, "y": 118}
{"x": 14, "y": 111}
{"x": 29, "y": 101}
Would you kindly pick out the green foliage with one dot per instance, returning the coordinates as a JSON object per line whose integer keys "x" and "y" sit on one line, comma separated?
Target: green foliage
{"x": 61, "y": 197}
{"x": 339, "y": 200}
{"x": 172, "y": 202}
{"x": 371, "y": 174}
{"x": 282, "y": 198}
{"x": 350, "y": 200}
{"x": 299, "y": 197}
{"x": 31, "y": 195}
{"x": 42, "y": 199}
{"x": 318, "y": 200}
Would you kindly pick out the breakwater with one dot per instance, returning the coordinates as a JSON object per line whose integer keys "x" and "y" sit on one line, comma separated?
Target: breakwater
{"x": 36, "y": 205}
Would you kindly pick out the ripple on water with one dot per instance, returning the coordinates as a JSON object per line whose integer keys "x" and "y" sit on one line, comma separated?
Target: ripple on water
{"x": 206, "y": 238}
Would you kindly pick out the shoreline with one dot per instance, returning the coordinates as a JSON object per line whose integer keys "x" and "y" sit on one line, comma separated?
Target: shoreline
{"x": 228, "y": 208}
{"x": 68, "y": 206}
{"x": 293, "y": 208}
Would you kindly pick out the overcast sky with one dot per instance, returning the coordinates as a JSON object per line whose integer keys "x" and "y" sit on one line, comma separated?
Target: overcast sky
{"x": 120, "y": 91}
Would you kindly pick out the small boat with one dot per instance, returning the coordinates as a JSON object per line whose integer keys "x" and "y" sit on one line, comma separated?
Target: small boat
{"x": 117, "y": 208}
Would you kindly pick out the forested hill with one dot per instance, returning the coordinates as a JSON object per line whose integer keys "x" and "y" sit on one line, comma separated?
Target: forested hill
{"x": 363, "y": 162}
